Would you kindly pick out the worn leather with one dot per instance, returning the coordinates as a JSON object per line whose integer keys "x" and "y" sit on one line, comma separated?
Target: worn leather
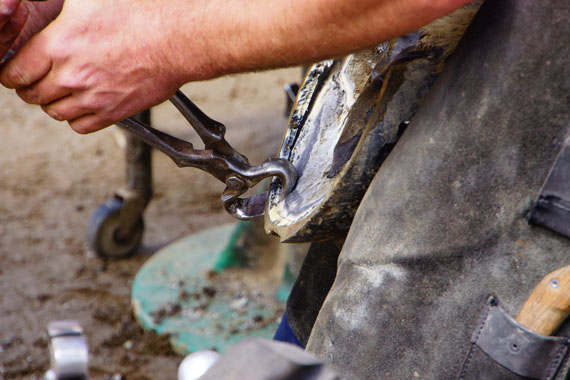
{"x": 444, "y": 223}
{"x": 313, "y": 283}
{"x": 552, "y": 209}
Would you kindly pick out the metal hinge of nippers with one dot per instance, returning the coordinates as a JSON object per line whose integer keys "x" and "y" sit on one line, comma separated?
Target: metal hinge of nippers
{"x": 217, "y": 158}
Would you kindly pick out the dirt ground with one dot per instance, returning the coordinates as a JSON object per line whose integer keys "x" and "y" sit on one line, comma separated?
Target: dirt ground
{"x": 51, "y": 179}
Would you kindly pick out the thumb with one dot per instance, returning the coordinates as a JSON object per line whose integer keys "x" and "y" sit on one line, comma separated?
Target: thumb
{"x": 11, "y": 23}
{"x": 31, "y": 63}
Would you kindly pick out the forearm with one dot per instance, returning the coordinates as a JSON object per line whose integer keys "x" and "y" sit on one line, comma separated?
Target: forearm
{"x": 103, "y": 60}
{"x": 245, "y": 35}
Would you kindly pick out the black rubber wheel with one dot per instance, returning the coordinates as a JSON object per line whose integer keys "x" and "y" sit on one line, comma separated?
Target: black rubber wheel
{"x": 102, "y": 232}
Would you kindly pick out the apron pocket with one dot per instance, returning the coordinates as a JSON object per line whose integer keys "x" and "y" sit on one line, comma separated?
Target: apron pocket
{"x": 502, "y": 349}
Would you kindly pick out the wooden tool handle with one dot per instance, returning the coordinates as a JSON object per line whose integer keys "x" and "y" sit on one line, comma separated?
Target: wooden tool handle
{"x": 548, "y": 304}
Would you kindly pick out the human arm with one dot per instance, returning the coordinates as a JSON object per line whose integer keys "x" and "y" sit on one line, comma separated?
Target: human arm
{"x": 102, "y": 61}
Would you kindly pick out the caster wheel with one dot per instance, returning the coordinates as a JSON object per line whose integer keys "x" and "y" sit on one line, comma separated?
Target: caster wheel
{"x": 102, "y": 231}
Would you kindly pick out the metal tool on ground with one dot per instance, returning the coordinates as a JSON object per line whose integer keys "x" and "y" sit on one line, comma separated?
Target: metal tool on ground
{"x": 196, "y": 364}
{"x": 549, "y": 303}
{"x": 69, "y": 353}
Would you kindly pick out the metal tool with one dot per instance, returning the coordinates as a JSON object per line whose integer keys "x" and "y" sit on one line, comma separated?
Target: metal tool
{"x": 69, "y": 354}
{"x": 196, "y": 364}
{"x": 218, "y": 158}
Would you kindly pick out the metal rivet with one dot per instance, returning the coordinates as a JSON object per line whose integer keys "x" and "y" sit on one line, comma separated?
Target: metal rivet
{"x": 234, "y": 183}
{"x": 554, "y": 283}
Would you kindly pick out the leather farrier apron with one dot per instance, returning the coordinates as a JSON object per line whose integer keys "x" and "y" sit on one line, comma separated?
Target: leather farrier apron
{"x": 444, "y": 225}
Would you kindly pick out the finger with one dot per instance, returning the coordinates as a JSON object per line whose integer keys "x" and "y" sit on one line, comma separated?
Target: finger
{"x": 44, "y": 92}
{"x": 68, "y": 108}
{"x": 89, "y": 123}
{"x": 31, "y": 64}
{"x": 10, "y": 29}
{"x": 7, "y": 8}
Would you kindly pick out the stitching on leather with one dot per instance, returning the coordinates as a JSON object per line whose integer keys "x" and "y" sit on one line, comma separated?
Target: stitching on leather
{"x": 467, "y": 362}
{"x": 554, "y": 204}
{"x": 563, "y": 372}
{"x": 555, "y": 363}
{"x": 483, "y": 320}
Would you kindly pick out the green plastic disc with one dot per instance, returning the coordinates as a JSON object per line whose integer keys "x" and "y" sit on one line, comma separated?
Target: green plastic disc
{"x": 182, "y": 291}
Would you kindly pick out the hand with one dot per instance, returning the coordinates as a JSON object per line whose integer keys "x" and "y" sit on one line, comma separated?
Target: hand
{"x": 13, "y": 16}
{"x": 99, "y": 62}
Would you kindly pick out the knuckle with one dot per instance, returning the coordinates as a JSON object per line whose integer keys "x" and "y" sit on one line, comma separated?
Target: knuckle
{"x": 118, "y": 116}
{"x": 70, "y": 83}
{"x": 14, "y": 77}
{"x": 59, "y": 49}
{"x": 104, "y": 122}
{"x": 87, "y": 124}
{"x": 84, "y": 79}
{"x": 29, "y": 96}
{"x": 93, "y": 102}
{"x": 25, "y": 95}
{"x": 53, "y": 113}
{"x": 75, "y": 77}
{"x": 81, "y": 127}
